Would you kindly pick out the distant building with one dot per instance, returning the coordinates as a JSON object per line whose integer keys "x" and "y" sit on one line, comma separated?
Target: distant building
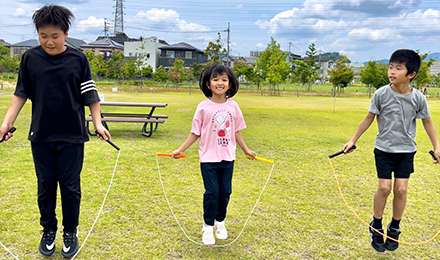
{"x": 5, "y": 44}
{"x": 104, "y": 46}
{"x": 148, "y": 47}
{"x": 435, "y": 68}
{"x": 22, "y": 47}
{"x": 182, "y": 51}
{"x": 119, "y": 37}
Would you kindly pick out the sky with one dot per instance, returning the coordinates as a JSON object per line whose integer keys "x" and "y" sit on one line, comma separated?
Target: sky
{"x": 362, "y": 30}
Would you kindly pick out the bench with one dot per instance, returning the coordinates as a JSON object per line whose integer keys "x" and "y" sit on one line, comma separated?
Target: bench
{"x": 149, "y": 120}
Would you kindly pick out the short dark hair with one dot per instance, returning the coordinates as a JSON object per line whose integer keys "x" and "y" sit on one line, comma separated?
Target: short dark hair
{"x": 410, "y": 58}
{"x": 215, "y": 70}
{"x": 53, "y": 15}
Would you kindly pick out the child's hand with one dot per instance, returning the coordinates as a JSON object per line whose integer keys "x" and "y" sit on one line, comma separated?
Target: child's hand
{"x": 252, "y": 154}
{"x": 175, "y": 153}
{"x": 4, "y": 134}
{"x": 347, "y": 147}
{"x": 437, "y": 156}
{"x": 103, "y": 133}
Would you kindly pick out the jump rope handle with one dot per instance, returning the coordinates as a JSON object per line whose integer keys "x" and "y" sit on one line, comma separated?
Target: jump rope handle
{"x": 181, "y": 155}
{"x": 110, "y": 142}
{"x": 10, "y": 131}
{"x": 432, "y": 154}
{"x": 341, "y": 152}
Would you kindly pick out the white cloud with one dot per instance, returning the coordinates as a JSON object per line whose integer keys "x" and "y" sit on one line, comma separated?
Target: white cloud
{"x": 159, "y": 15}
{"x": 91, "y": 23}
{"x": 169, "y": 19}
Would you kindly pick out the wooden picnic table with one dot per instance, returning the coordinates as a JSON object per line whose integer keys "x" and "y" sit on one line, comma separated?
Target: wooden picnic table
{"x": 150, "y": 120}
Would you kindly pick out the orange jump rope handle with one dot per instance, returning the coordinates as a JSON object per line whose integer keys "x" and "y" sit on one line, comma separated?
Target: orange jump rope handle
{"x": 170, "y": 155}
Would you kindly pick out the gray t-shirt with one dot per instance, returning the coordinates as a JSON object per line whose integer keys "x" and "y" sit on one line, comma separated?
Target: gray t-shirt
{"x": 396, "y": 118}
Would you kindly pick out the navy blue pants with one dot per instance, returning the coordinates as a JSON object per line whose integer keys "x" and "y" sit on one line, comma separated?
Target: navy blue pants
{"x": 217, "y": 179}
{"x": 58, "y": 162}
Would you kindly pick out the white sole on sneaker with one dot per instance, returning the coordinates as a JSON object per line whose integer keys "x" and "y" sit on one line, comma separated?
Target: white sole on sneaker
{"x": 220, "y": 230}
{"x": 208, "y": 235}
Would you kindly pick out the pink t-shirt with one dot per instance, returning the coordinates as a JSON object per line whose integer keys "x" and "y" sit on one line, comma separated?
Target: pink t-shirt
{"x": 216, "y": 125}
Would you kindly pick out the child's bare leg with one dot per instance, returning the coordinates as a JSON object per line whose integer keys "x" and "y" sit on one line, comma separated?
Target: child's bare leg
{"x": 399, "y": 201}
{"x": 380, "y": 197}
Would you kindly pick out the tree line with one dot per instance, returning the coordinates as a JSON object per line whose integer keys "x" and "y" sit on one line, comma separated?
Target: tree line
{"x": 273, "y": 66}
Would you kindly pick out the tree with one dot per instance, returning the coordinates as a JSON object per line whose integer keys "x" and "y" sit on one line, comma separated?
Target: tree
{"x": 423, "y": 77}
{"x": 114, "y": 65}
{"x": 374, "y": 75}
{"x": 341, "y": 75}
{"x": 177, "y": 71}
{"x": 10, "y": 64}
{"x": 248, "y": 71}
{"x": 311, "y": 64}
{"x": 196, "y": 70}
{"x": 160, "y": 75}
{"x": 97, "y": 64}
{"x": 129, "y": 68}
{"x": 214, "y": 50}
{"x": 272, "y": 65}
{"x": 3, "y": 51}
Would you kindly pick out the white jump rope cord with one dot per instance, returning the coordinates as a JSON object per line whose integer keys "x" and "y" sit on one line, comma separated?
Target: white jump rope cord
{"x": 198, "y": 243}
{"x": 99, "y": 213}
{"x": 8, "y": 251}
{"x": 102, "y": 206}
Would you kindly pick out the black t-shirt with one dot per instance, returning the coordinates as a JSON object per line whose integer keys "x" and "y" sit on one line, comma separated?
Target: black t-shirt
{"x": 59, "y": 87}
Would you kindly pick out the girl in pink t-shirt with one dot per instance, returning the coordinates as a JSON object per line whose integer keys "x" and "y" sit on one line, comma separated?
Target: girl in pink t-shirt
{"x": 217, "y": 123}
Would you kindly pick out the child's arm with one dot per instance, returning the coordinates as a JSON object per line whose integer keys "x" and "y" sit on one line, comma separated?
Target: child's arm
{"x": 432, "y": 133}
{"x": 243, "y": 146}
{"x": 363, "y": 126}
{"x": 95, "y": 110}
{"x": 15, "y": 107}
{"x": 188, "y": 142}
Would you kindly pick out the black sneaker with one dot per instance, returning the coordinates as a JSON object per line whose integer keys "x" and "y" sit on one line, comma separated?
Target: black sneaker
{"x": 376, "y": 239}
{"x": 70, "y": 245}
{"x": 392, "y": 245}
{"x": 47, "y": 244}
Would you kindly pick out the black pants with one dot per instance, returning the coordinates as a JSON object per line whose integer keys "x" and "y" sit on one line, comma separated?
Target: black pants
{"x": 217, "y": 178}
{"x": 61, "y": 163}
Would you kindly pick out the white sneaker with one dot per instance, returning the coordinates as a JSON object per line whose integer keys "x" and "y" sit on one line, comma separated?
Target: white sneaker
{"x": 208, "y": 235}
{"x": 220, "y": 230}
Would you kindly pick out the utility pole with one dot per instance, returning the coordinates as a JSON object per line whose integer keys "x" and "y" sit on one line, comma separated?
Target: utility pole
{"x": 227, "y": 53}
{"x": 105, "y": 28}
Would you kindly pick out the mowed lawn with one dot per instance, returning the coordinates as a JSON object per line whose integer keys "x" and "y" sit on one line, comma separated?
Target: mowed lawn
{"x": 299, "y": 216}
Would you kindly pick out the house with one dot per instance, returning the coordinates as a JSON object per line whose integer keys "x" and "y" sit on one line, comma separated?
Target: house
{"x": 21, "y": 47}
{"x": 103, "y": 46}
{"x": 119, "y": 37}
{"x": 5, "y": 44}
{"x": 182, "y": 51}
{"x": 435, "y": 68}
{"x": 147, "y": 48}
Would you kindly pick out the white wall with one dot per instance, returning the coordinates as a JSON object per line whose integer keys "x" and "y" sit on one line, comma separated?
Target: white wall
{"x": 150, "y": 46}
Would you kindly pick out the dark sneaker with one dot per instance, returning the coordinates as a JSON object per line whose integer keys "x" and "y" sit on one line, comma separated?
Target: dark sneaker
{"x": 392, "y": 245}
{"x": 376, "y": 239}
{"x": 47, "y": 244}
{"x": 70, "y": 245}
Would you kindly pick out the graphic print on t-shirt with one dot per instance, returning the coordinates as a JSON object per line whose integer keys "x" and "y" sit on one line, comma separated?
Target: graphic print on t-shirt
{"x": 222, "y": 121}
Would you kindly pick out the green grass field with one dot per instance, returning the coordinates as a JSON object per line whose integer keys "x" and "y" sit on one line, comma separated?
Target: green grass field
{"x": 300, "y": 215}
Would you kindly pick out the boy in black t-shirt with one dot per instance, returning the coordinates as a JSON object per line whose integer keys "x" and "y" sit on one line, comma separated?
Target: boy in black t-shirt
{"x": 58, "y": 81}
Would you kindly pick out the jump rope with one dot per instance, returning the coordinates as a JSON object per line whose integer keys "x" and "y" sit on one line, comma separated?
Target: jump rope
{"x": 362, "y": 220}
{"x": 102, "y": 205}
{"x": 247, "y": 220}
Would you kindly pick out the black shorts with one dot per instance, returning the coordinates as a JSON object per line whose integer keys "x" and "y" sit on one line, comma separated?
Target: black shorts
{"x": 402, "y": 164}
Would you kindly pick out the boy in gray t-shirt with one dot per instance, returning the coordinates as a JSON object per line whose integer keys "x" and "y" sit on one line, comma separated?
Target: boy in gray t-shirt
{"x": 396, "y": 106}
